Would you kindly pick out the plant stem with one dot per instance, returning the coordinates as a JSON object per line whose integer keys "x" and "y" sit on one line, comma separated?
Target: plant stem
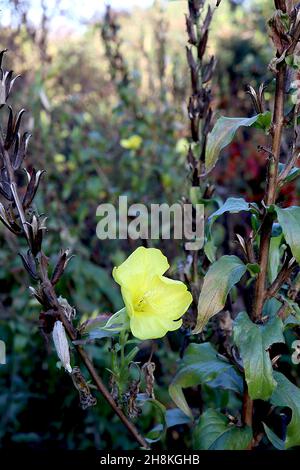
{"x": 283, "y": 276}
{"x": 247, "y": 408}
{"x": 267, "y": 224}
{"x": 271, "y": 191}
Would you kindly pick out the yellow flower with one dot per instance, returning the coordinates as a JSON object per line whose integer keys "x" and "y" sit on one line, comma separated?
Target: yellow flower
{"x": 133, "y": 143}
{"x": 154, "y": 303}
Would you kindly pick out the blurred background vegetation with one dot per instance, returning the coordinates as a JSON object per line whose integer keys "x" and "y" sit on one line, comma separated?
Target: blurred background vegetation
{"x": 107, "y": 111}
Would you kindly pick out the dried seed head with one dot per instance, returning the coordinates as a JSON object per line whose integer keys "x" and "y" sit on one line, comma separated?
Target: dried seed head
{"x": 36, "y": 229}
{"x": 148, "y": 370}
{"x": 61, "y": 265}
{"x": 29, "y": 264}
{"x": 32, "y": 187}
{"x": 61, "y": 345}
{"x": 6, "y": 81}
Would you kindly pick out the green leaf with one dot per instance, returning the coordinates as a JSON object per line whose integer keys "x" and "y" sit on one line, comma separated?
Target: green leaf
{"x": 293, "y": 174}
{"x": 157, "y": 432}
{"x": 175, "y": 417}
{"x": 263, "y": 121}
{"x": 218, "y": 281}
{"x": 233, "y": 205}
{"x": 273, "y": 438}
{"x": 210, "y": 250}
{"x": 224, "y": 131}
{"x": 253, "y": 342}
{"x": 202, "y": 364}
{"x": 289, "y": 219}
{"x": 253, "y": 268}
{"x": 287, "y": 394}
{"x": 293, "y": 310}
{"x": 105, "y": 328}
{"x": 215, "y": 432}
{"x": 274, "y": 257}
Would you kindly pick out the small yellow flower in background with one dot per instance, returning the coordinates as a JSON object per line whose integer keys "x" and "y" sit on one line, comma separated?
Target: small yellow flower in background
{"x": 154, "y": 303}
{"x": 133, "y": 143}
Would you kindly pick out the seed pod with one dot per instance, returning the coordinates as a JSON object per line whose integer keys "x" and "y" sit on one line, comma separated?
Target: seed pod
{"x": 86, "y": 398}
{"x": 148, "y": 370}
{"x": 61, "y": 345}
{"x": 6, "y": 81}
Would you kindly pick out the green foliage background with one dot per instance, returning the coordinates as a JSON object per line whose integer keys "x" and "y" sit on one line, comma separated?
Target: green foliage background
{"x": 81, "y": 120}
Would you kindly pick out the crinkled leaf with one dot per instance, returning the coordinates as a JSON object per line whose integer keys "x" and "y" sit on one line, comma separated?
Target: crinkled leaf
{"x": 253, "y": 342}
{"x": 289, "y": 219}
{"x": 287, "y": 394}
{"x": 218, "y": 281}
{"x": 224, "y": 131}
{"x": 215, "y": 432}
{"x": 202, "y": 364}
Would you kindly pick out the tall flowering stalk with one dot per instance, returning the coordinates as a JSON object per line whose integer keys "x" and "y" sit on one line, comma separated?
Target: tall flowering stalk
{"x": 200, "y": 113}
{"x": 267, "y": 266}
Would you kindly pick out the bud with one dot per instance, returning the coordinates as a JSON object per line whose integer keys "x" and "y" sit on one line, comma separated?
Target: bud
{"x": 61, "y": 345}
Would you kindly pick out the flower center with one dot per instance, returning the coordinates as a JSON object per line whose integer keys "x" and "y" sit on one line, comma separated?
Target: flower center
{"x": 141, "y": 305}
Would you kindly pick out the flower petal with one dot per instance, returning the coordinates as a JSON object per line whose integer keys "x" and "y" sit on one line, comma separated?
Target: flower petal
{"x": 142, "y": 264}
{"x": 152, "y": 327}
{"x": 154, "y": 303}
{"x": 168, "y": 298}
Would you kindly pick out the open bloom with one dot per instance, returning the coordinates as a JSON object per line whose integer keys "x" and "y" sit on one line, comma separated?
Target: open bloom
{"x": 154, "y": 303}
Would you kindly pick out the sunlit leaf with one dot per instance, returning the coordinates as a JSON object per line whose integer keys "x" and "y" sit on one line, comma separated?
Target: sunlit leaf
{"x": 219, "y": 280}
